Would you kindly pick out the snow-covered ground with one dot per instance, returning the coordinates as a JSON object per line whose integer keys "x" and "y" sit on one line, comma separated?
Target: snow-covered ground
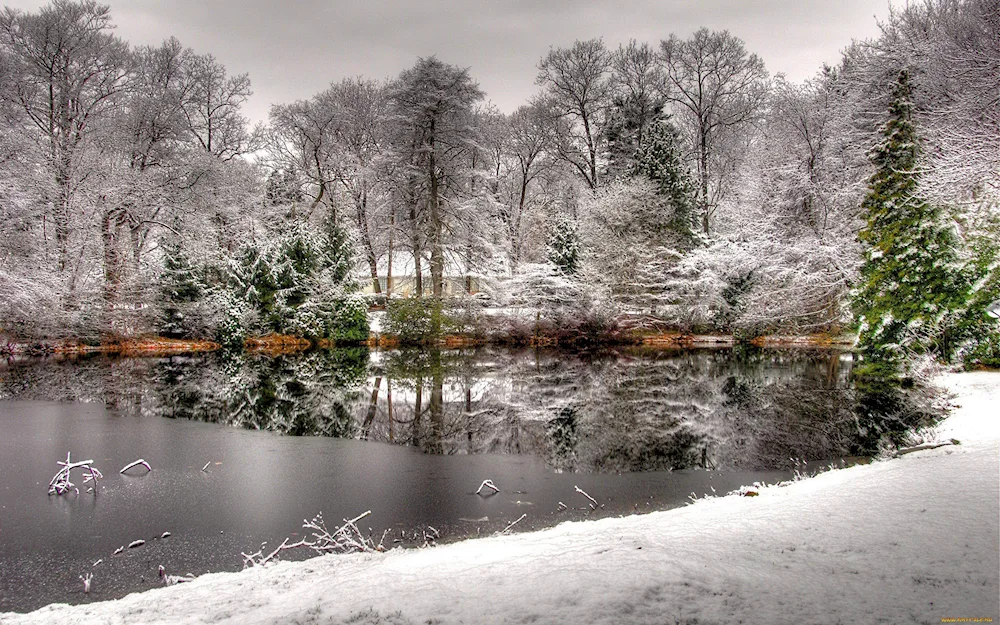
{"x": 909, "y": 540}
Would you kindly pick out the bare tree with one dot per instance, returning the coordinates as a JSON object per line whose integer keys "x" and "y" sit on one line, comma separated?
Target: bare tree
{"x": 637, "y": 86}
{"x": 434, "y": 103}
{"x": 211, "y": 105}
{"x": 716, "y": 89}
{"x": 361, "y": 143}
{"x": 953, "y": 48}
{"x": 68, "y": 70}
{"x": 530, "y": 135}
{"x": 301, "y": 141}
{"x": 576, "y": 81}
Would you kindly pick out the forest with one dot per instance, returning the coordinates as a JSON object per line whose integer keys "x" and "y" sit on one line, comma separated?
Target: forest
{"x": 671, "y": 185}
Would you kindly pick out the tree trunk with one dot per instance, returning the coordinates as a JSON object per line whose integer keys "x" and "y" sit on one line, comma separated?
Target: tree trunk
{"x": 366, "y": 238}
{"x": 703, "y": 174}
{"x": 434, "y": 215}
{"x": 111, "y": 226}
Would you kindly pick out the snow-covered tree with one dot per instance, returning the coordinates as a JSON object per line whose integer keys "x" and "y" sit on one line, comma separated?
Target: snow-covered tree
{"x": 576, "y": 81}
{"x": 910, "y": 282}
{"x": 658, "y": 158}
{"x": 68, "y": 69}
{"x": 716, "y": 89}
{"x": 564, "y": 246}
{"x": 433, "y": 103}
{"x": 636, "y": 104}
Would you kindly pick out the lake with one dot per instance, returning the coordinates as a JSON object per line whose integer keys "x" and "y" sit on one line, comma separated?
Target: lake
{"x": 245, "y": 447}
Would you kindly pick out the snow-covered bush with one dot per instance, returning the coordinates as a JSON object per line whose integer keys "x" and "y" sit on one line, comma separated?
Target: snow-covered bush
{"x": 540, "y": 300}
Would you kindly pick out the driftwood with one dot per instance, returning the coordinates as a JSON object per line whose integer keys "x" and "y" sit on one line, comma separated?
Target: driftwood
{"x": 138, "y": 462}
{"x": 507, "y": 529}
{"x": 593, "y": 502}
{"x": 910, "y": 450}
{"x": 172, "y": 580}
{"x": 487, "y": 484}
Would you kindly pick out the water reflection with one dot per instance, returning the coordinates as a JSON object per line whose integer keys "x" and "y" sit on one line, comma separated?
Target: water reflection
{"x": 617, "y": 411}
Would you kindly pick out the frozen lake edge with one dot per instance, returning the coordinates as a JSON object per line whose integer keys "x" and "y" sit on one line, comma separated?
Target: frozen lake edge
{"x": 913, "y": 539}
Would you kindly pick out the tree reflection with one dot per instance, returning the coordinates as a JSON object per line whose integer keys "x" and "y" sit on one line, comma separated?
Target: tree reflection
{"x": 625, "y": 410}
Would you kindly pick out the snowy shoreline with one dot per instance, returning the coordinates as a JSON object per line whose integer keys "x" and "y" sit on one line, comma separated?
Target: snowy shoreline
{"x": 910, "y": 540}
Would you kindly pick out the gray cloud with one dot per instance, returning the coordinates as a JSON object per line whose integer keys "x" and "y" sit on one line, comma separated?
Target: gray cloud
{"x": 294, "y": 48}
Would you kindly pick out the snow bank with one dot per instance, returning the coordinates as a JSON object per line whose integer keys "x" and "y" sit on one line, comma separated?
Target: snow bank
{"x": 911, "y": 540}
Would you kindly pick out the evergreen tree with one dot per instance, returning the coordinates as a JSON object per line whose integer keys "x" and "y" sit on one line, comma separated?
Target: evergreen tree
{"x": 301, "y": 285}
{"x": 564, "y": 247}
{"x": 976, "y": 329}
{"x": 181, "y": 286}
{"x": 659, "y": 159}
{"x": 630, "y": 118}
{"x": 910, "y": 283}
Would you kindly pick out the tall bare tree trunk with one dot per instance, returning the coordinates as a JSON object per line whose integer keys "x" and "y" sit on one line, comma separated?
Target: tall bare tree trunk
{"x": 434, "y": 215}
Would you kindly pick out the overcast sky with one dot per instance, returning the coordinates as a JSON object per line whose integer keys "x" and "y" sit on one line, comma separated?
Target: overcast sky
{"x": 293, "y": 49}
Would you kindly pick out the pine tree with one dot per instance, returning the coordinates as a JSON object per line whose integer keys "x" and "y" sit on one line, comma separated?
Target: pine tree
{"x": 659, "y": 159}
{"x": 564, "y": 247}
{"x": 181, "y": 286}
{"x": 910, "y": 282}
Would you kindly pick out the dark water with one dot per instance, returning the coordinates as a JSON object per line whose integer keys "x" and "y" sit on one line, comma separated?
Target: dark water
{"x": 407, "y": 435}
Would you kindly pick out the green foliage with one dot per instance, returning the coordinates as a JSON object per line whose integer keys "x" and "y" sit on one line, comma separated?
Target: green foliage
{"x": 338, "y": 254}
{"x": 343, "y": 319}
{"x": 658, "y": 158}
{"x": 911, "y": 282}
{"x": 231, "y": 331}
{"x": 629, "y": 117}
{"x": 738, "y": 287}
{"x": 182, "y": 289}
{"x": 415, "y": 319}
{"x": 975, "y": 332}
{"x": 300, "y": 284}
{"x": 564, "y": 247}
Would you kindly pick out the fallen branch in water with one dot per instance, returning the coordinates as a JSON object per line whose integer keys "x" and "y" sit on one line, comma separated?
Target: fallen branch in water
{"x": 593, "y": 502}
{"x": 138, "y": 462}
{"x": 171, "y": 580}
{"x": 487, "y": 484}
{"x": 60, "y": 483}
{"x": 507, "y": 529}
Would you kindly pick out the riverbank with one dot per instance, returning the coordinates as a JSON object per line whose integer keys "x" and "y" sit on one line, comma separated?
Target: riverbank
{"x": 913, "y": 540}
{"x": 275, "y": 344}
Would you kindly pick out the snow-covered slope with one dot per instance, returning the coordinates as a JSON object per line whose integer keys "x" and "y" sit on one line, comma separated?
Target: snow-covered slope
{"x": 911, "y": 540}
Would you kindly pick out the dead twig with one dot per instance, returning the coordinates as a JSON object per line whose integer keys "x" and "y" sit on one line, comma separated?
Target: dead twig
{"x": 60, "y": 483}
{"x": 345, "y": 539}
